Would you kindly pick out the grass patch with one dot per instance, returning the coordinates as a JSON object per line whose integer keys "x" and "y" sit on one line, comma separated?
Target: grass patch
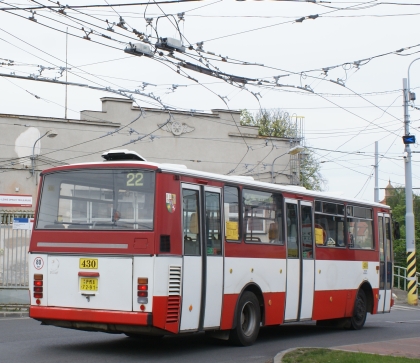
{"x": 313, "y": 355}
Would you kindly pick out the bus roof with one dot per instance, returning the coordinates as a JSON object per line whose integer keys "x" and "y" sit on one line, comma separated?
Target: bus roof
{"x": 234, "y": 179}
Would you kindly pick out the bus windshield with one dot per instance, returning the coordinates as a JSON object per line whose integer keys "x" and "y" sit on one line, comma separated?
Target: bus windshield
{"x": 120, "y": 199}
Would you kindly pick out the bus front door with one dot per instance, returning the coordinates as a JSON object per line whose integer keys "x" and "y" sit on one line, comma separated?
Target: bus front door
{"x": 300, "y": 260}
{"x": 202, "y": 279}
{"x": 385, "y": 263}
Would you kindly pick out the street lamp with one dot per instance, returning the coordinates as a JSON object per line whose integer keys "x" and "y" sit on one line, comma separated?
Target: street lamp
{"x": 410, "y": 237}
{"x": 293, "y": 151}
{"x": 50, "y": 134}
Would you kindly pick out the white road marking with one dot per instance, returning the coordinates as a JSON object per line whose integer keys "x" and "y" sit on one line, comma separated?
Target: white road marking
{"x": 403, "y": 307}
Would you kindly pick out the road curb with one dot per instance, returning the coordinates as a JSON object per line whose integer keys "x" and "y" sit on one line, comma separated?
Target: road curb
{"x": 279, "y": 357}
{"x": 14, "y": 314}
{"x": 14, "y": 311}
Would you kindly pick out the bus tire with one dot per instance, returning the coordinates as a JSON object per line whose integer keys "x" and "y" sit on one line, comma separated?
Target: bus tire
{"x": 248, "y": 319}
{"x": 360, "y": 311}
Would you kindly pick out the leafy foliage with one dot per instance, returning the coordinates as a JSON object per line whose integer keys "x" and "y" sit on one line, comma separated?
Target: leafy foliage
{"x": 277, "y": 123}
{"x": 397, "y": 202}
{"x": 310, "y": 171}
{"x": 274, "y": 123}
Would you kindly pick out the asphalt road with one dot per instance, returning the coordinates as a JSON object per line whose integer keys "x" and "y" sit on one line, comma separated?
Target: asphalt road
{"x": 25, "y": 340}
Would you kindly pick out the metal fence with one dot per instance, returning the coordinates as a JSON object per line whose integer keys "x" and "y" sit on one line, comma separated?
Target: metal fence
{"x": 14, "y": 244}
{"x": 400, "y": 278}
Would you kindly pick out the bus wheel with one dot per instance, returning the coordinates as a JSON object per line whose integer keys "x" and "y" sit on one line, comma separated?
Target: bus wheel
{"x": 248, "y": 318}
{"x": 360, "y": 311}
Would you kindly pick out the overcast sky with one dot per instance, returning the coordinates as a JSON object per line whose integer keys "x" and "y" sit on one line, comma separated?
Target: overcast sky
{"x": 310, "y": 45}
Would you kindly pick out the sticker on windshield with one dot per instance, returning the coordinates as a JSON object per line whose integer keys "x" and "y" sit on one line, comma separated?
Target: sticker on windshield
{"x": 170, "y": 202}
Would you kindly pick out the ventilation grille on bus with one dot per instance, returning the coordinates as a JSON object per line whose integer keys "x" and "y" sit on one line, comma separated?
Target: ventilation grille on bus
{"x": 174, "y": 292}
{"x": 174, "y": 288}
{"x": 174, "y": 303}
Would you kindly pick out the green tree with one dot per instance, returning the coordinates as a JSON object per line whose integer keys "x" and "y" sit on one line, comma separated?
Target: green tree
{"x": 397, "y": 203}
{"x": 277, "y": 123}
{"x": 310, "y": 171}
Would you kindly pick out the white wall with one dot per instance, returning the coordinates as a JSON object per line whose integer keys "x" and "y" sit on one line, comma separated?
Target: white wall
{"x": 213, "y": 142}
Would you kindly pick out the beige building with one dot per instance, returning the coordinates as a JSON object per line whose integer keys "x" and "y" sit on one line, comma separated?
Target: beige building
{"x": 213, "y": 142}
{"x": 389, "y": 192}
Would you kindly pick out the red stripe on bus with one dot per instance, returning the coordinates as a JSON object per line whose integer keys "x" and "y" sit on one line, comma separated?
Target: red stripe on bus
{"x": 166, "y": 312}
{"x": 272, "y": 251}
{"x": 376, "y": 300}
{"x": 274, "y": 307}
{"x": 273, "y": 313}
{"x": 345, "y": 254}
{"x": 160, "y": 304}
{"x": 333, "y": 304}
{"x": 89, "y": 315}
{"x": 255, "y": 250}
{"x": 228, "y": 311}
{"x": 102, "y": 237}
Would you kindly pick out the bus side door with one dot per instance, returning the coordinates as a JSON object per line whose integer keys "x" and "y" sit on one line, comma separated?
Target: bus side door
{"x": 385, "y": 263}
{"x": 202, "y": 277}
{"x": 300, "y": 260}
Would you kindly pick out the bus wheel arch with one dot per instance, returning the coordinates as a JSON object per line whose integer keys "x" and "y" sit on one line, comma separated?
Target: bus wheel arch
{"x": 363, "y": 304}
{"x": 248, "y": 316}
{"x": 367, "y": 288}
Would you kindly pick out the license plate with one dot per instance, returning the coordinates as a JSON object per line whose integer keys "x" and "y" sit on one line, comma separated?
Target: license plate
{"x": 88, "y": 284}
{"x": 88, "y": 263}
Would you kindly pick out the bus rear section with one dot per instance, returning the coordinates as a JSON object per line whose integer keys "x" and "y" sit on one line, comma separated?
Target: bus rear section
{"x": 93, "y": 253}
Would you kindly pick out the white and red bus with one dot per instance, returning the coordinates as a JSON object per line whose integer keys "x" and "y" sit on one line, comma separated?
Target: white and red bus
{"x": 129, "y": 246}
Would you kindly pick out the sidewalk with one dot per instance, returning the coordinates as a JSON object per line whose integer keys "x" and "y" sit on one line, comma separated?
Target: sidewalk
{"x": 408, "y": 347}
{"x": 14, "y": 311}
{"x": 401, "y": 296}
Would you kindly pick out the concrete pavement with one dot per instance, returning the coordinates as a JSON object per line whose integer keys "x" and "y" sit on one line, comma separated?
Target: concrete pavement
{"x": 14, "y": 311}
{"x": 408, "y": 347}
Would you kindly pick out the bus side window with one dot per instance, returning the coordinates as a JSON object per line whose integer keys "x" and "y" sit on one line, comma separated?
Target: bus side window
{"x": 329, "y": 229}
{"x": 360, "y": 226}
{"x": 191, "y": 220}
{"x": 262, "y": 217}
{"x": 231, "y": 209}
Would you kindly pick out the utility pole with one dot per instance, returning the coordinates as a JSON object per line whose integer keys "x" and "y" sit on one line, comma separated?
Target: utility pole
{"x": 376, "y": 194}
{"x": 410, "y": 239}
{"x": 65, "y": 107}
